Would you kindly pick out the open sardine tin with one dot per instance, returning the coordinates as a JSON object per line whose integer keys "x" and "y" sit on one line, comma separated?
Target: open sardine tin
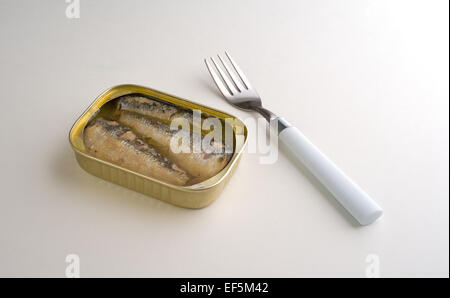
{"x": 192, "y": 196}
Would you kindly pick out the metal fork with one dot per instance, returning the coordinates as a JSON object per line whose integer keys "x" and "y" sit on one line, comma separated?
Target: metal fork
{"x": 236, "y": 88}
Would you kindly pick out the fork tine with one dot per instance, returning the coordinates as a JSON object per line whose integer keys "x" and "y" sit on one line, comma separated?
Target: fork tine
{"x": 225, "y": 78}
{"x": 239, "y": 71}
{"x": 234, "y": 78}
{"x": 217, "y": 80}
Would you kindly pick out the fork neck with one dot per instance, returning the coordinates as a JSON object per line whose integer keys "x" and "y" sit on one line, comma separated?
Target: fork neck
{"x": 274, "y": 120}
{"x": 268, "y": 115}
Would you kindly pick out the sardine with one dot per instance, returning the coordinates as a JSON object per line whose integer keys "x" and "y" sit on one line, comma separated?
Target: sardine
{"x": 200, "y": 165}
{"x": 116, "y": 143}
{"x": 152, "y": 108}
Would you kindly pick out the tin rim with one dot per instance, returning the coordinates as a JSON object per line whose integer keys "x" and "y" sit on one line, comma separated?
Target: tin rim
{"x": 204, "y": 185}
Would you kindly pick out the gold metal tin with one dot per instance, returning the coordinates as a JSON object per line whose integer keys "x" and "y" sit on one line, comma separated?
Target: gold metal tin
{"x": 193, "y": 196}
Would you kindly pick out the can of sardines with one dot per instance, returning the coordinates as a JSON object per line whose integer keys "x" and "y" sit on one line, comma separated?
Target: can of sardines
{"x": 159, "y": 145}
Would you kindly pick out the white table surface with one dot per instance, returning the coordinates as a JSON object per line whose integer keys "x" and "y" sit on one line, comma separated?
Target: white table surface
{"x": 366, "y": 81}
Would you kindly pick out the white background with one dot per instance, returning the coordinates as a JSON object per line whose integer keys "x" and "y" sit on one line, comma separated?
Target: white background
{"x": 366, "y": 81}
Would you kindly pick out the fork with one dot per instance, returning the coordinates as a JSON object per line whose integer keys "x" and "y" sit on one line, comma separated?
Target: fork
{"x": 236, "y": 89}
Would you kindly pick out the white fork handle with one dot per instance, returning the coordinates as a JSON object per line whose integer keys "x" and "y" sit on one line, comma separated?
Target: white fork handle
{"x": 350, "y": 195}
